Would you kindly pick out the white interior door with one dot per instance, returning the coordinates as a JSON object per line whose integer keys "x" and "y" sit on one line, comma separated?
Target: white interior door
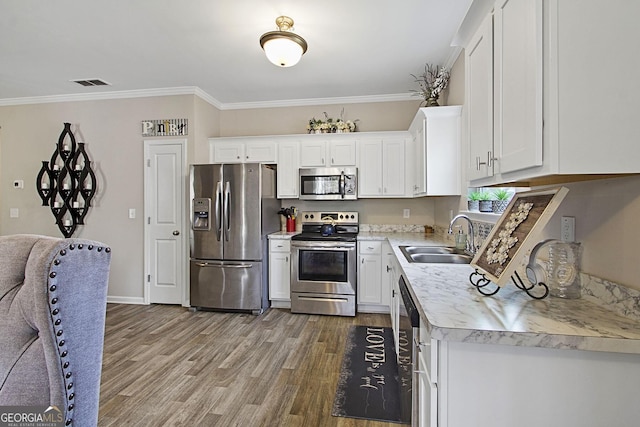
{"x": 165, "y": 247}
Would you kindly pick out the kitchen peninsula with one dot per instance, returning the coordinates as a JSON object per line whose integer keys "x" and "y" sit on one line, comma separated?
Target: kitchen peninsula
{"x": 510, "y": 360}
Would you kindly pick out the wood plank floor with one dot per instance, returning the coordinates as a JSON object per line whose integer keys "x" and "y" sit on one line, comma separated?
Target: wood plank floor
{"x": 166, "y": 366}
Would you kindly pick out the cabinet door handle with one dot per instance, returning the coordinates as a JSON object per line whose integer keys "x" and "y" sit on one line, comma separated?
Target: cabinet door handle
{"x": 286, "y": 259}
{"x": 490, "y": 159}
{"x": 478, "y": 163}
{"x": 388, "y": 269}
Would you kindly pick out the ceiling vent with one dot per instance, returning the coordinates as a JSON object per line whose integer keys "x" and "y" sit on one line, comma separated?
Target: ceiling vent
{"x": 92, "y": 82}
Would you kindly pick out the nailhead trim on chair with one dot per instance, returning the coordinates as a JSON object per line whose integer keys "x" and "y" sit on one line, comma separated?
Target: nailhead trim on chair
{"x": 59, "y": 332}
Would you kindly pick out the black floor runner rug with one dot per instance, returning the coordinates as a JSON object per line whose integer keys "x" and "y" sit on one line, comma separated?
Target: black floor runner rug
{"x": 370, "y": 385}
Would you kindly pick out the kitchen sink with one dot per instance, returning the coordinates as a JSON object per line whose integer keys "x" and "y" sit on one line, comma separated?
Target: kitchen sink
{"x": 428, "y": 250}
{"x": 435, "y": 254}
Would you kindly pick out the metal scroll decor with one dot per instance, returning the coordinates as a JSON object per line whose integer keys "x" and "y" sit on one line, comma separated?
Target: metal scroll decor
{"x": 67, "y": 183}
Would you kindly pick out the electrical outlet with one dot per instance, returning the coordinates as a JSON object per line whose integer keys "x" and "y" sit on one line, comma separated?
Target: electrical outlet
{"x": 406, "y": 213}
{"x": 14, "y": 213}
{"x": 132, "y": 213}
{"x": 568, "y": 229}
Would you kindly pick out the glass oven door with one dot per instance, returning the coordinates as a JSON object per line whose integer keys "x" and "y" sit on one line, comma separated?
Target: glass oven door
{"x": 323, "y": 267}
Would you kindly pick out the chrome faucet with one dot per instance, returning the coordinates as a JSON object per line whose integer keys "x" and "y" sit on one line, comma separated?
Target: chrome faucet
{"x": 471, "y": 247}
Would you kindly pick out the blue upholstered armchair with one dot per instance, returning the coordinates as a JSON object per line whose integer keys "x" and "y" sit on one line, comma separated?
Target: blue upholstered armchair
{"x": 52, "y": 313}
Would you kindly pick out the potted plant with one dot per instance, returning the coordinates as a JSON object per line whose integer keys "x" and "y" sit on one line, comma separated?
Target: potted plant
{"x": 501, "y": 198}
{"x": 473, "y": 200}
{"x": 485, "y": 202}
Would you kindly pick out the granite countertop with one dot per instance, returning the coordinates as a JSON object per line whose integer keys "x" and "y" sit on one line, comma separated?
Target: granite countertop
{"x": 456, "y": 311}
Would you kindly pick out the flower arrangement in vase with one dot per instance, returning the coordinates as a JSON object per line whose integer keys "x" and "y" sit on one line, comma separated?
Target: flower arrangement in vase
{"x": 330, "y": 125}
{"x": 431, "y": 83}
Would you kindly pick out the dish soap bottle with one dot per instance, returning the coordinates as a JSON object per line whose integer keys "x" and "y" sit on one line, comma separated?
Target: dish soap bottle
{"x": 461, "y": 238}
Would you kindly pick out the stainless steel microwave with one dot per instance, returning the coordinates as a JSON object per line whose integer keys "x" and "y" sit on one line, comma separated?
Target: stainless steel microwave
{"x": 329, "y": 184}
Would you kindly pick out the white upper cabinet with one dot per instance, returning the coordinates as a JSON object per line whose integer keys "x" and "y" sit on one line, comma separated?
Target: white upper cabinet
{"x": 381, "y": 168}
{"x": 549, "y": 94}
{"x": 479, "y": 79}
{"x": 504, "y": 88}
{"x": 435, "y": 151}
{"x": 288, "y": 165}
{"x": 316, "y": 151}
{"x": 518, "y": 84}
{"x": 242, "y": 150}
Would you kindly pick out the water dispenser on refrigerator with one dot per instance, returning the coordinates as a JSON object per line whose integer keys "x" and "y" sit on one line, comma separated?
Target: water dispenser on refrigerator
{"x": 201, "y": 214}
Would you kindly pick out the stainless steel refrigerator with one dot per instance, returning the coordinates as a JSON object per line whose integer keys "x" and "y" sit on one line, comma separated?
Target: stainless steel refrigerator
{"x": 233, "y": 209}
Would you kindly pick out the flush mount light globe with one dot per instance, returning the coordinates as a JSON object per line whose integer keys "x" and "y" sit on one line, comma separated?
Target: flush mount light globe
{"x": 283, "y": 47}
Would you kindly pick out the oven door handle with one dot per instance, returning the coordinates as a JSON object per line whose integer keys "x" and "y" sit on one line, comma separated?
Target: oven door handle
{"x": 324, "y": 248}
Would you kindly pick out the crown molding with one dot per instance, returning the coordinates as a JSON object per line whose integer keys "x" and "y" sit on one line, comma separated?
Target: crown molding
{"x": 194, "y": 90}
{"x": 319, "y": 101}
{"x": 99, "y": 96}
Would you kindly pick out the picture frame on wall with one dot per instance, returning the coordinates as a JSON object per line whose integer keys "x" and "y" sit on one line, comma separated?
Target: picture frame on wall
{"x": 516, "y": 233}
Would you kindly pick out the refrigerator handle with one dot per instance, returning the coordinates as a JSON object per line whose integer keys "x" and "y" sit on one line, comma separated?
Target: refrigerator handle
{"x": 227, "y": 210}
{"x": 218, "y": 210}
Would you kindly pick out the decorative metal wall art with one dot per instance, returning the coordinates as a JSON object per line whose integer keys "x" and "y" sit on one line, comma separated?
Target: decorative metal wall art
{"x": 67, "y": 183}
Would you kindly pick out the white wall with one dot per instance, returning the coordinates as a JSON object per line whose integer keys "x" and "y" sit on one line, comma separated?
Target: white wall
{"x": 111, "y": 130}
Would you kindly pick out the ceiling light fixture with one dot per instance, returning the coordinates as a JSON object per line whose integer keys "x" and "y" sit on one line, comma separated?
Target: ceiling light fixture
{"x": 283, "y": 47}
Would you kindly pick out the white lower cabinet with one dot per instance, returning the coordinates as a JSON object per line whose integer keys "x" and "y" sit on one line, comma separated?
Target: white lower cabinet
{"x": 369, "y": 280}
{"x": 427, "y": 378}
{"x": 374, "y": 291}
{"x": 280, "y": 272}
{"x": 488, "y": 385}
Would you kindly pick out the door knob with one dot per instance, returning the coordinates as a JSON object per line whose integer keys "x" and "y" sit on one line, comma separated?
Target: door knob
{"x": 176, "y": 233}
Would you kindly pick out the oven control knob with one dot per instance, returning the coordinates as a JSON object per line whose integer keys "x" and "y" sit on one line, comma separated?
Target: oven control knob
{"x": 353, "y": 216}
{"x": 306, "y": 216}
{"x": 311, "y": 216}
{"x": 341, "y": 217}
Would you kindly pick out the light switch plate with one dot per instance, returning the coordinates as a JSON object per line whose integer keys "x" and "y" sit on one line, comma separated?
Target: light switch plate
{"x": 132, "y": 213}
{"x": 14, "y": 213}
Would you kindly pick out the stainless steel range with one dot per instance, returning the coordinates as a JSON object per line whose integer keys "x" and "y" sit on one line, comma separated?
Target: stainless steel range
{"x": 323, "y": 264}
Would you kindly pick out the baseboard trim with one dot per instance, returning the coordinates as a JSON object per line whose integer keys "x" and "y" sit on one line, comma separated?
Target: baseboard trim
{"x": 125, "y": 300}
{"x": 280, "y": 304}
{"x": 373, "y": 308}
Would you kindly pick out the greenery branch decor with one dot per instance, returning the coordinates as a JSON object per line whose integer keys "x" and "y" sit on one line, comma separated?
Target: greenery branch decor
{"x": 431, "y": 83}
